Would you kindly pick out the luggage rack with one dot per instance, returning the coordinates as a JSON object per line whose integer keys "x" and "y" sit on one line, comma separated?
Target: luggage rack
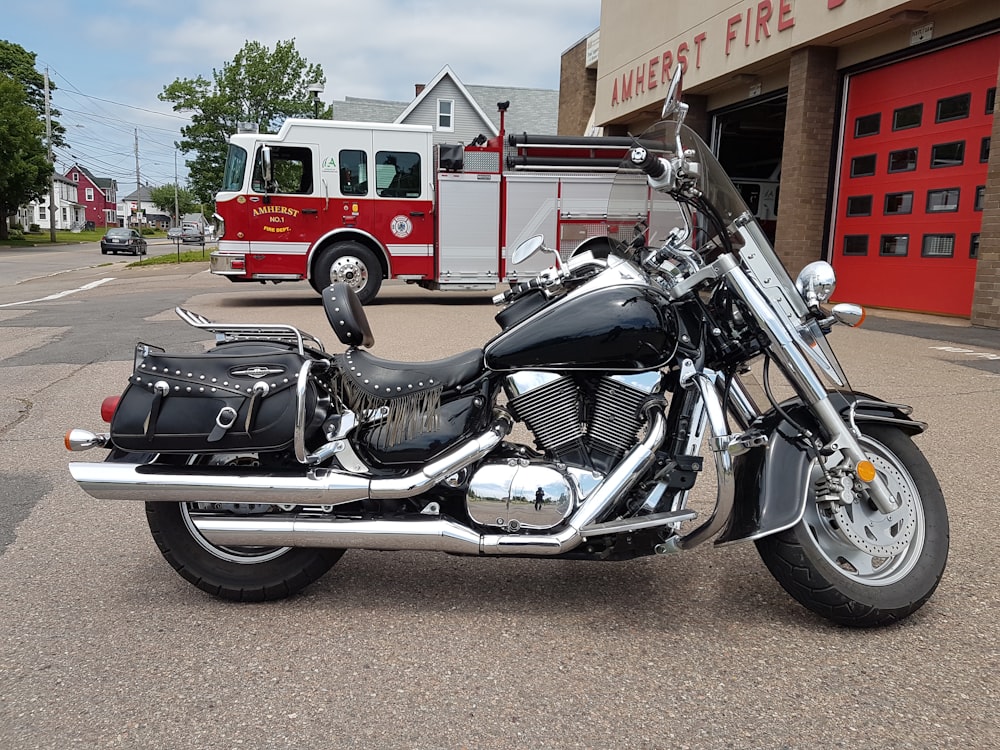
{"x": 226, "y": 332}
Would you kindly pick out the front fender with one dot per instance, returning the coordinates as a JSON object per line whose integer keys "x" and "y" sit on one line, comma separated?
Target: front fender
{"x": 773, "y": 482}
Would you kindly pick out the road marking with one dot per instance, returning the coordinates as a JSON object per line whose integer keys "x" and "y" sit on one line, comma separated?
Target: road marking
{"x": 970, "y": 352}
{"x": 83, "y": 288}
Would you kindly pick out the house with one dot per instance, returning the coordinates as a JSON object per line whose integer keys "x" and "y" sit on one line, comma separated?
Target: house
{"x": 137, "y": 208}
{"x": 459, "y": 113}
{"x": 98, "y": 195}
{"x": 68, "y": 213}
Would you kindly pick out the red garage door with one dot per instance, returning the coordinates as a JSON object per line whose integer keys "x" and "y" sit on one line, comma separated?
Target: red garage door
{"x": 912, "y": 177}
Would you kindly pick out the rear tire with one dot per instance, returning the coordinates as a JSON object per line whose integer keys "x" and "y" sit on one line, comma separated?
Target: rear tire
{"x": 243, "y": 574}
{"x": 817, "y": 564}
{"x": 351, "y": 263}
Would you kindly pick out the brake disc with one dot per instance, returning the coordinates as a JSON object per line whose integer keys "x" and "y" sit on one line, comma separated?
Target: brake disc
{"x": 871, "y": 531}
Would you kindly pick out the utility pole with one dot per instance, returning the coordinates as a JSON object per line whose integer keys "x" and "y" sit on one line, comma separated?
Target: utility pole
{"x": 138, "y": 184}
{"x": 52, "y": 163}
{"x": 177, "y": 217}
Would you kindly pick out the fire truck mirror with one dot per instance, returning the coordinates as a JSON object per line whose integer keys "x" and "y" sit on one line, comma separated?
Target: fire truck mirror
{"x": 266, "y": 170}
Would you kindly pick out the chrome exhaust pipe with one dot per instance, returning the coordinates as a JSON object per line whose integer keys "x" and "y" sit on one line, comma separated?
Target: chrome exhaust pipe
{"x": 437, "y": 534}
{"x": 152, "y": 483}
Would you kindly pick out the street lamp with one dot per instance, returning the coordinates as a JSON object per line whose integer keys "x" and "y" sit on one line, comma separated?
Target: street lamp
{"x": 315, "y": 89}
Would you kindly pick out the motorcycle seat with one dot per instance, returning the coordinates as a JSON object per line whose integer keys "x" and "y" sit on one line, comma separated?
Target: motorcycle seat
{"x": 388, "y": 379}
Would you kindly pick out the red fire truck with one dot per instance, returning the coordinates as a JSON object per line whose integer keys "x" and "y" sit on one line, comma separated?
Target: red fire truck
{"x": 328, "y": 201}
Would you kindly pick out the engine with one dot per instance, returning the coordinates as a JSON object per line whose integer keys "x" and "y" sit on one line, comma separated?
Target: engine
{"x": 584, "y": 428}
{"x": 591, "y": 424}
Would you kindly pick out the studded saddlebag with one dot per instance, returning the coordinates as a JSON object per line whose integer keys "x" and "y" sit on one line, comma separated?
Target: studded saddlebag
{"x": 236, "y": 397}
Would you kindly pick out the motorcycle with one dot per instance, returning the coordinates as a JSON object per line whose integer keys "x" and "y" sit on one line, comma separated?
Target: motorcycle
{"x": 262, "y": 460}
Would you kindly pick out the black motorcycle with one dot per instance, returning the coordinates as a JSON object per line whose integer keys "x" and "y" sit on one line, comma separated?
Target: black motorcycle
{"x": 261, "y": 461}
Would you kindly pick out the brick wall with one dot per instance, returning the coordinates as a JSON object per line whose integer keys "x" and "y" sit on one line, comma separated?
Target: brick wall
{"x": 806, "y": 156}
{"x": 577, "y": 91}
{"x": 986, "y": 295}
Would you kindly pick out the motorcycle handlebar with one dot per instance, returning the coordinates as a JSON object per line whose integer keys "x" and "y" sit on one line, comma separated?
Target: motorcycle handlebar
{"x": 647, "y": 162}
{"x": 517, "y": 290}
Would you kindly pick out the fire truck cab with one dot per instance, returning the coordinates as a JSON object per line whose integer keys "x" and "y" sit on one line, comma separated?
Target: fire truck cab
{"x": 329, "y": 201}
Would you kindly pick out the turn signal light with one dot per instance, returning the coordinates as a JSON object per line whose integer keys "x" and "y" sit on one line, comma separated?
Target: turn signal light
{"x": 865, "y": 471}
{"x": 108, "y": 407}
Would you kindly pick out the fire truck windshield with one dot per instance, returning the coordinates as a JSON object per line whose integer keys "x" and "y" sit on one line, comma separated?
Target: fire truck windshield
{"x": 236, "y": 164}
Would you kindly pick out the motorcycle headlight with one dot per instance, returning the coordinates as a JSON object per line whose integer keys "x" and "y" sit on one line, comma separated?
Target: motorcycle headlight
{"x": 816, "y": 282}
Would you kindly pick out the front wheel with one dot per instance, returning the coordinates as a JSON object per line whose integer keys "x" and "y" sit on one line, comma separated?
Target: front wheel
{"x": 856, "y": 566}
{"x": 349, "y": 263}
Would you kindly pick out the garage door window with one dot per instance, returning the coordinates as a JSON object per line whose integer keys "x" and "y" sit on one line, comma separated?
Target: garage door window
{"x": 938, "y": 246}
{"x": 953, "y": 108}
{"x": 867, "y": 125}
{"x": 859, "y": 205}
{"x": 907, "y": 117}
{"x": 948, "y": 154}
{"x": 863, "y": 166}
{"x": 894, "y": 244}
{"x": 898, "y": 203}
{"x": 939, "y": 201}
{"x": 856, "y": 244}
{"x": 904, "y": 160}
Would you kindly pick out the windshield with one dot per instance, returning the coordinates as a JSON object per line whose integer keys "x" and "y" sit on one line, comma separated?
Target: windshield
{"x": 714, "y": 219}
{"x": 632, "y": 199}
{"x": 119, "y": 232}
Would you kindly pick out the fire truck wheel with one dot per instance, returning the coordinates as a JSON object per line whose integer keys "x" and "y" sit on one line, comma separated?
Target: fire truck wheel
{"x": 351, "y": 263}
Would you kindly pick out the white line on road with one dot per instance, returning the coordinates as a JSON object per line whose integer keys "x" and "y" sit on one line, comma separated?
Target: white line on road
{"x": 83, "y": 288}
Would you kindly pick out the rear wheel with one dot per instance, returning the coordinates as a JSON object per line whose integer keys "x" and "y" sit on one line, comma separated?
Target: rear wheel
{"x": 250, "y": 574}
{"x": 857, "y": 566}
{"x": 350, "y": 263}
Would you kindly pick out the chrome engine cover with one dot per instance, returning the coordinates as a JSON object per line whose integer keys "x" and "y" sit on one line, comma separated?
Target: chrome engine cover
{"x": 517, "y": 494}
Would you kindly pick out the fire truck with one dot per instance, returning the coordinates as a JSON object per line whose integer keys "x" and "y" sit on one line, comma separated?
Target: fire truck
{"x": 325, "y": 201}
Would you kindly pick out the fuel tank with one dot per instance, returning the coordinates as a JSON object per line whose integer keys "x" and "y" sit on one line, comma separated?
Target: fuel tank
{"x": 617, "y": 328}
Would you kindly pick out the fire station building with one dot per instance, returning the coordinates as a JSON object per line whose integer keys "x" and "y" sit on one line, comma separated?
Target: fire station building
{"x": 859, "y": 131}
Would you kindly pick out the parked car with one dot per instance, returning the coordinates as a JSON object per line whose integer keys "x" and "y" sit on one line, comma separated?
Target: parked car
{"x": 175, "y": 233}
{"x": 123, "y": 240}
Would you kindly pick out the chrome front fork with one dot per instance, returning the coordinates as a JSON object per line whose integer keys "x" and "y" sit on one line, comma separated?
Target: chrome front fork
{"x": 786, "y": 351}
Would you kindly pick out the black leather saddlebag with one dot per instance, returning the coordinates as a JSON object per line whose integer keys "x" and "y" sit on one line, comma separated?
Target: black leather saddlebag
{"x": 236, "y": 397}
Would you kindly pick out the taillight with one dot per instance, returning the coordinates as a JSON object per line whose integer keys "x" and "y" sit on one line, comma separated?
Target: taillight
{"x": 108, "y": 407}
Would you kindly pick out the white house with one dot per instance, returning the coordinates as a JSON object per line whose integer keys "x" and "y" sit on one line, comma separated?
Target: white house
{"x": 68, "y": 213}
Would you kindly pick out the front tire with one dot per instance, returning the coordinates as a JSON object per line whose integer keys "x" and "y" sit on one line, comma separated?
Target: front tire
{"x": 350, "y": 263}
{"x": 855, "y": 566}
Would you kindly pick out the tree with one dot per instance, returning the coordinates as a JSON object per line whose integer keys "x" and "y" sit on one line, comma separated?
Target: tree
{"x": 19, "y": 64}
{"x": 25, "y": 170}
{"x": 259, "y": 86}
{"x": 163, "y": 199}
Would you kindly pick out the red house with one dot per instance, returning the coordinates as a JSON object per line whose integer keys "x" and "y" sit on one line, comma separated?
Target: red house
{"x": 99, "y": 195}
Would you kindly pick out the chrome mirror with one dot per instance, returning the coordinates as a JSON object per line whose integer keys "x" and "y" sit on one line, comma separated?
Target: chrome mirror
{"x": 527, "y": 248}
{"x": 673, "y": 99}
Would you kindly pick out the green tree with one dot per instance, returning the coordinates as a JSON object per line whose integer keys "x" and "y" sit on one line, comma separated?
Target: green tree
{"x": 19, "y": 64}
{"x": 25, "y": 170}
{"x": 163, "y": 199}
{"x": 259, "y": 85}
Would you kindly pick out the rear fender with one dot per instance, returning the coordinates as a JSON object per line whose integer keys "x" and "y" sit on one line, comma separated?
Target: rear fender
{"x": 773, "y": 482}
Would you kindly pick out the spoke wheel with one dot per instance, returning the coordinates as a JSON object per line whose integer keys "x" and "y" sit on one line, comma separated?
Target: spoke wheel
{"x": 236, "y": 573}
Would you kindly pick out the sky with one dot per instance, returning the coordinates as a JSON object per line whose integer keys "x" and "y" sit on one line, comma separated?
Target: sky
{"x": 109, "y": 59}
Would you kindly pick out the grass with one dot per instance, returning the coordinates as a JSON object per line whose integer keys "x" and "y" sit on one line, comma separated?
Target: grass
{"x": 65, "y": 237}
{"x": 185, "y": 256}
